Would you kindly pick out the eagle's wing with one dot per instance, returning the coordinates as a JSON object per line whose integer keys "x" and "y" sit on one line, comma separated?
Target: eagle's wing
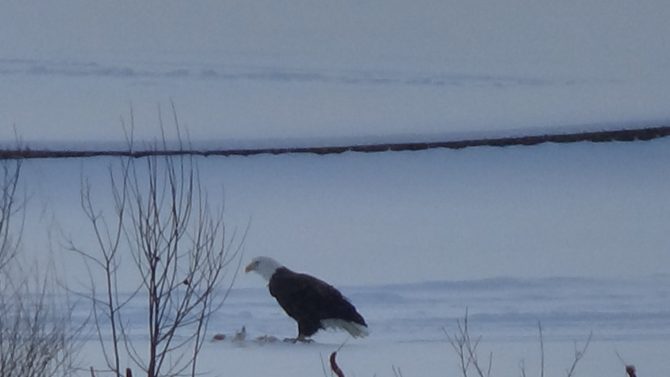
{"x": 309, "y": 300}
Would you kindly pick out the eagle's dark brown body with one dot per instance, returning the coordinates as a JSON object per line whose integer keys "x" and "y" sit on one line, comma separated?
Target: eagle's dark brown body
{"x": 310, "y": 301}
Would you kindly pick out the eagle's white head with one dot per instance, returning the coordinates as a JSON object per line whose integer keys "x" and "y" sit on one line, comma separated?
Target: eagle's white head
{"x": 264, "y": 266}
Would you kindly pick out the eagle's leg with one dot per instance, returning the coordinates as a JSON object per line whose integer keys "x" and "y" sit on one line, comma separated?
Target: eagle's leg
{"x": 303, "y": 339}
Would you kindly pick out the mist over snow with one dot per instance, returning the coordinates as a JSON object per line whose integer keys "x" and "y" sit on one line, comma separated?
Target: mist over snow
{"x": 245, "y": 72}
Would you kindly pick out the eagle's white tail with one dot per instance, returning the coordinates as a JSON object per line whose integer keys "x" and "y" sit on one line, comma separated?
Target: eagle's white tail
{"x": 356, "y": 330}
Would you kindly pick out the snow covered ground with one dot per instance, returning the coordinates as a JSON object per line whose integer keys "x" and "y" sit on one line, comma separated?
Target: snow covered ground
{"x": 409, "y": 325}
{"x": 589, "y": 210}
{"x": 573, "y": 236}
{"x": 631, "y": 317}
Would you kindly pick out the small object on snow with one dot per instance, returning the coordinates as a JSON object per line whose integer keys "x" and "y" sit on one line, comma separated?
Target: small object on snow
{"x": 263, "y": 339}
{"x": 630, "y": 370}
{"x": 218, "y": 337}
{"x": 241, "y": 335}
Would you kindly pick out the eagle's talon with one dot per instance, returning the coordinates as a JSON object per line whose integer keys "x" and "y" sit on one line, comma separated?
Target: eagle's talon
{"x": 298, "y": 339}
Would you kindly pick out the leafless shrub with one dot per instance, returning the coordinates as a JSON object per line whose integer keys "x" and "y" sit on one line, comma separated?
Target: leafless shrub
{"x": 465, "y": 348}
{"x": 10, "y": 208}
{"x": 36, "y": 337}
{"x": 164, "y": 224}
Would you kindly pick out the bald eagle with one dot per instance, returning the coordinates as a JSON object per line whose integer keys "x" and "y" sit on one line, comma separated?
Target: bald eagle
{"x": 311, "y": 302}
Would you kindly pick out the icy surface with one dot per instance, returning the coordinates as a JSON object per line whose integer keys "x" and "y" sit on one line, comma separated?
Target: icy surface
{"x": 589, "y": 210}
{"x": 502, "y": 309}
{"x": 573, "y": 236}
{"x": 411, "y": 323}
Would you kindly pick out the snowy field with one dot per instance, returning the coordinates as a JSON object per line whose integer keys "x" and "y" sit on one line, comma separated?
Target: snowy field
{"x": 573, "y": 236}
{"x": 630, "y": 317}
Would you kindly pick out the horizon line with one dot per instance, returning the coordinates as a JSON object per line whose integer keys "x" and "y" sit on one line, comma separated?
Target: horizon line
{"x": 622, "y": 135}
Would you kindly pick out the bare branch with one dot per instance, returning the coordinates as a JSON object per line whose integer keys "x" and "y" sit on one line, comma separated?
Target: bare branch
{"x": 522, "y": 367}
{"x": 579, "y": 354}
{"x": 10, "y": 207}
{"x": 539, "y": 329}
{"x": 396, "y": 371}
{"x": 466, "y": 349}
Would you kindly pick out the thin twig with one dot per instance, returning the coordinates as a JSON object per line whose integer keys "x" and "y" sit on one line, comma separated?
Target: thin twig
{"x": 539, "y": 328}
{"x": 579, "y": 354}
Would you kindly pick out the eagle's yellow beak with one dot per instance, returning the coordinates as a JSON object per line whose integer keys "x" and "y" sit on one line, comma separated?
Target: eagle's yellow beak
{"x": 251, "y": 266}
